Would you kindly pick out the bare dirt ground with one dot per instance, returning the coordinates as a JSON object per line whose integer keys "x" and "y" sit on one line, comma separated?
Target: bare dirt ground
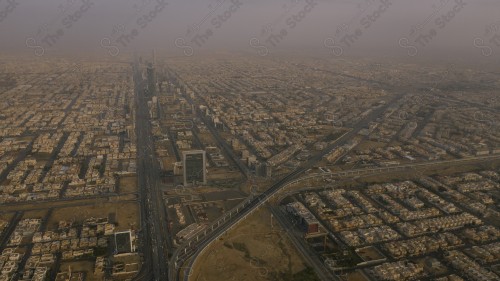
{"x": 82, "y": 266}
{"x": 126, "y": 214}
{"x": 128, "y": 184}
{"x": 253, "y": 251}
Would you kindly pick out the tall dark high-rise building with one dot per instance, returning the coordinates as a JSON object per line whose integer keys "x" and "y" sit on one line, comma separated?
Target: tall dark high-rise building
{"x": 194, "y": 163}
{"x": 150, "y": 71}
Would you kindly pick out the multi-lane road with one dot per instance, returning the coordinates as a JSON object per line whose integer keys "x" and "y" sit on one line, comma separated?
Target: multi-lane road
{"x": 192, "y": 248}
{"x": 183, "y": 258}
{"x": 156, "y": 237}
{"x": 155, "y": 233}
{"x": 306, "y": 252}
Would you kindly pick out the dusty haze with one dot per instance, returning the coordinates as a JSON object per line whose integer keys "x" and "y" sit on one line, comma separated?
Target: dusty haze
{"x": 94, "y": 27}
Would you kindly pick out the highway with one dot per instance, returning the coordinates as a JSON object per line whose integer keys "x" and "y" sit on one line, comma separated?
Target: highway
{"x": 188, "y": 252}
{"x": 222, "y": 143}
{"x": 184, "y": 257}
{"x": 195, "y": 246}
{"x": 307, "y": 254}
{"x": 155, "y": 235}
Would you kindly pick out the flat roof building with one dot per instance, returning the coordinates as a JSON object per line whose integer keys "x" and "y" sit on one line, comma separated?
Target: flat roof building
{"x": 194, "y": 164}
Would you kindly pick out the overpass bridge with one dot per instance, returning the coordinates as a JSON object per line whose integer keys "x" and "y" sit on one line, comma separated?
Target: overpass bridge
{"x": 191, "y": 249}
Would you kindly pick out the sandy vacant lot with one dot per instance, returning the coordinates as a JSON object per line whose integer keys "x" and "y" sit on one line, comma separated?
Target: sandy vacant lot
{"x": 253, "y": 251}
{"x": 126, "y": 214}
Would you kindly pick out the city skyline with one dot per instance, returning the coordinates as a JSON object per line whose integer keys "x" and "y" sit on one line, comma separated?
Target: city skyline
{"x": 288, "y": 140}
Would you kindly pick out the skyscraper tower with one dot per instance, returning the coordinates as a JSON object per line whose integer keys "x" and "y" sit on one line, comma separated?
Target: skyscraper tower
{"x": 194, "y": 163}
{"x": 151, "y": 79}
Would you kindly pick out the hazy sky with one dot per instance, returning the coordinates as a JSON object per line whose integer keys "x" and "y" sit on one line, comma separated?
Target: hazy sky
{"x": 464, "y": 29}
